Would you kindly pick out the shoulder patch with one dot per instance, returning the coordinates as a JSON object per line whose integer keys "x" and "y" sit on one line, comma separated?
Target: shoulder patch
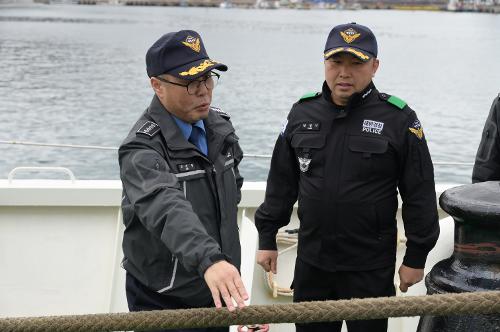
{"x": 310, "y": 95}
{"x": 398, "y": 102}
{"x": 149, "y": 129}
{"x": 220, "y": 112}
{"x": 416, "y": 128}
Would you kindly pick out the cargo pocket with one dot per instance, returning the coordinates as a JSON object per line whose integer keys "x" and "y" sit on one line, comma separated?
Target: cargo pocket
{"x": 365, "y": 158}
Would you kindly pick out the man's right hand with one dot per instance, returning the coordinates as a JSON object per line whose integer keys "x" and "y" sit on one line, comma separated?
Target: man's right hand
{"x": 224, "y": 280}
{"x": 268, "y": 259}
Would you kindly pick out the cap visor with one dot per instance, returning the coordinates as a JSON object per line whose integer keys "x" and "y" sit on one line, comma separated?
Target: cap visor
{"x": 196, "y": 69}
{"x": 361, "y": 55}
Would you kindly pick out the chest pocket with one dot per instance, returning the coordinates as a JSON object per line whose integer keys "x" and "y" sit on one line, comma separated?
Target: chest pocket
{"x": 186, "y": 172}
{"x": 309, "y": 153}
{"x": 367, "y": 158}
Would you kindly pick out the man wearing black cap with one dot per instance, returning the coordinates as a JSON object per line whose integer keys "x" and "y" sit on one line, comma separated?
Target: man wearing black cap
{"x": 487, "y": 164}
{"x": 181, "y": 187}
{"x": 343, "y": 153}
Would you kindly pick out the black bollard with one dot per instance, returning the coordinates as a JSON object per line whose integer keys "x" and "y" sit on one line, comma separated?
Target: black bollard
{"x": 475, "y": 263}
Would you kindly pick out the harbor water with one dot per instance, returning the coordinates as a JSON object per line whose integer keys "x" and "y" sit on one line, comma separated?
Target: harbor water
{"x": 76, "y": 75}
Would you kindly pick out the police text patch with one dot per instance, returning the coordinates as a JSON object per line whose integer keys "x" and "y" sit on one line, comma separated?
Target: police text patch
{"x": 149, "y": 129}
{"x": 374, "y": 127}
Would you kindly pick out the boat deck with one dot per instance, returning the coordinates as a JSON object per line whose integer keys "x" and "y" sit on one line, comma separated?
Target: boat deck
{"x": 60, "y": 249}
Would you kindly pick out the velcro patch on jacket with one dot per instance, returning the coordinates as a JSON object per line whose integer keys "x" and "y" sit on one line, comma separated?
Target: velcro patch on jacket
{"x": 398, "y": 102}
{"x": 149, "y": 128}
{"x": 310, "y": 126}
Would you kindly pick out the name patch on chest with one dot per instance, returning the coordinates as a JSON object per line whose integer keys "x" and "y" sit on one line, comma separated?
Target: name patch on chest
{"x": 314, "y": 126}
{"x": 374, "y": 127}
{"x": 186, "y": 167}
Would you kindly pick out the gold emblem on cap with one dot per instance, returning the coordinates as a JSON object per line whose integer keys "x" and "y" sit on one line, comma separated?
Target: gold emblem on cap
{"x": 193, "y": 43}
{"x": 349, "y": 35}
{"x": 198, "y": 69}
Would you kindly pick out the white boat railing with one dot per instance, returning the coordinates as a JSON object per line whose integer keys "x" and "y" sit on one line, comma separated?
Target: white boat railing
{"x": 60, "y": 249}
{"x": 246, "y": 155}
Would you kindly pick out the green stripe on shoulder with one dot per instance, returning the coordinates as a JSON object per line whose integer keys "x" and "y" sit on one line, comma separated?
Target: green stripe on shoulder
{"x": 399, "y": 103}
{"x": 309, "y": 95}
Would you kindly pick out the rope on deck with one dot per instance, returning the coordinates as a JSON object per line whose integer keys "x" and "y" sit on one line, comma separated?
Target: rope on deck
{"x": 304, "y": 312}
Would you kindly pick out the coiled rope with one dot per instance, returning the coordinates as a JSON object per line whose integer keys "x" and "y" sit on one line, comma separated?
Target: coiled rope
{"x": 288, "y": 237}
{"x": 304, "y": 312}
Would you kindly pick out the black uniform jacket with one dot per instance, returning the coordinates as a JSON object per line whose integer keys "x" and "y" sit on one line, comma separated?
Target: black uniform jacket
{"x": 344, "y": 167}
{"x": 487, "y": 165}
{"x": 179, "y": 206}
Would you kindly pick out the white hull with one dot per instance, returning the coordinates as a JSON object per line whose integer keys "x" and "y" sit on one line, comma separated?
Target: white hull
{"x": 60, "y": 249}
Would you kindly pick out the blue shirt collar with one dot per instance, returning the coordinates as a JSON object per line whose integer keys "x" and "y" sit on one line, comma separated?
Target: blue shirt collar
{"x": 186, "y": 128}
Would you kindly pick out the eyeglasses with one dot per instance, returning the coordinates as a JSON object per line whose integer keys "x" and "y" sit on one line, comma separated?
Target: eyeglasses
{"x": 194, "y": 87}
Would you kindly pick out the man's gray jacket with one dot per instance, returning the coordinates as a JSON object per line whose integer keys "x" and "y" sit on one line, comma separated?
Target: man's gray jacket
{"x": 179, "y": 206}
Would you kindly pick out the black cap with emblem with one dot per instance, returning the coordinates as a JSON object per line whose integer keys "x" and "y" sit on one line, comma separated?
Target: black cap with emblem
{"x": 181, "y": 54}
{"x": 352, "y": 38}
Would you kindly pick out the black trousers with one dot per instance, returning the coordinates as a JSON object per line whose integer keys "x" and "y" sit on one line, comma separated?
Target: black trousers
{"x": 141, "y": 298}
{"x": 313, "y": 284}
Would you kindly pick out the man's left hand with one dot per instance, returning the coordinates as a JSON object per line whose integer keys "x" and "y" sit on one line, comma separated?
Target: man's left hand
{"x": 409, "y": 276}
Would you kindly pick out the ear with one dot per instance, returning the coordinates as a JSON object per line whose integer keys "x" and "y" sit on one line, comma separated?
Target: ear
{"x": 156, "y": 85}
{"x": 375, "y": 66}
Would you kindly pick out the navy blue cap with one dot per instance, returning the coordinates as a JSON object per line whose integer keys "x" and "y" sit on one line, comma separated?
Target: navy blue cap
{"x": 181, "y": 54}
{"x": 352, "y": 38}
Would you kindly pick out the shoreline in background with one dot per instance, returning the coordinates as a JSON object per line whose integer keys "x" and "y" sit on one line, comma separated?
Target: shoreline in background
{"x": 477, "y": 6}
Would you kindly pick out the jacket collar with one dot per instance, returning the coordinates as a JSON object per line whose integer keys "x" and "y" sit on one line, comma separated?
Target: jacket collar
{"x": 216, "y": 127}
{"x": 356, "y": 99}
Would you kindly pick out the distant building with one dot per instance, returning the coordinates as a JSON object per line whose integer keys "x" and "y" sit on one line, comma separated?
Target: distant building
{"x": 404, "y": 4}
{"x": 491, "y": 6}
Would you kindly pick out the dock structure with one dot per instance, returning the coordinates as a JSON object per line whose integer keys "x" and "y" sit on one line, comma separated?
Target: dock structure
{"x": 180, "y": 3}
{"x": 241, "y": 3}
{"x": 486, "y": 6}
{"x": 90, "y": 2}
{"x": 403, "y": 4}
